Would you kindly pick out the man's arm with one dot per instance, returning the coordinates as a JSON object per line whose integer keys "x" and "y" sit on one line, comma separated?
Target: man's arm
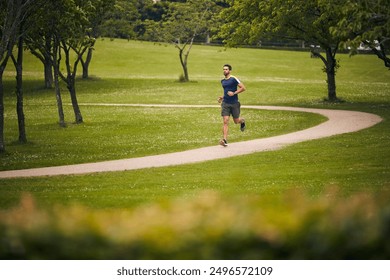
{"x": 241, "y": 88}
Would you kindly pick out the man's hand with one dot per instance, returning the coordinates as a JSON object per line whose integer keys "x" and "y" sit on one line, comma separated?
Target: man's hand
{"x": 220, "y": 98}
{"x": 230, "y": 93}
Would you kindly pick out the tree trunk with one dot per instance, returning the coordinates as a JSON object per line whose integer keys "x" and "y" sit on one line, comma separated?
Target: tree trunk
{"x": 73, "y": 97}
{"x": 331, "y": 66}
{"x": 330, "y": 69}
{"x": 85, "y": 64}
{"x": 70, "y": 81}
{"x": 48, "y": 68}
{"x": 61, "y": 116}
{"x": 2, "y": 68}
{"x": 183, "y": 62}
{"x": 44, "y": 56}
{"x": 2, "y": 144}
{"x": 186, "y": 78}
{"x": 19, "y": 93}
{"x": 48, "y": 64}
{"x": 60, "y": 109}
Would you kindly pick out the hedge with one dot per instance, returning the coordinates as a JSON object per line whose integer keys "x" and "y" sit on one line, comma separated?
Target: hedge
{"x": 206, "y": 226}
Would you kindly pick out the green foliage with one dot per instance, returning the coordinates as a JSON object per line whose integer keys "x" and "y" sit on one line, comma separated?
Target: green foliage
{"x": 209, "y": 226}
{"x": 366, "y": 23}
{"x": 309, "y": 21}
{"x": 364, "y": 20}
{"x": 184, "y": 22}
{"x": 119, "y": 21}
{"x": 249, "y": 21}
{"x": 189, "y": 19}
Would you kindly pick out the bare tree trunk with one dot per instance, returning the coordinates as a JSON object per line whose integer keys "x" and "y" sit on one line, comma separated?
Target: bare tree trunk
{"x": 183, "y": 62}
{"x": 18, "y": 62}
{"x": 48, "y": 64}
{"x": 2, "y": 68}
{"x": 331, "y": 67}
{"x": 70, "y": 81}
{"x": 44, "y": 56}
{"x": 56, "y": 62}
{"x": 330, "y": 70}
{"x": 48, "y": 68}
{"x": 73, "y": 97}
{"x": 2, "y": 144}
{"x": 85, "y": 64}
{"x": 183, "y": 55}
{"x": 60, "y": 109}
{"x": 15, "y": 11}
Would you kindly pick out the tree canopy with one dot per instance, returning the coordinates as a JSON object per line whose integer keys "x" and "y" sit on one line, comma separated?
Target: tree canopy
{"x": 366, "y": 22}
{"x": 186, "y": 21}
{"x": 248, "y": 21}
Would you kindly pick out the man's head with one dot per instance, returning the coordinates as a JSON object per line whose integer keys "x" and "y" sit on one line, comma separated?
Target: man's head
{"x": 226, "y": 69}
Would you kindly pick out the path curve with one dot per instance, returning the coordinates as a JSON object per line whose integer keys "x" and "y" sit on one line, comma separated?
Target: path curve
{"x": 339, "y": 122}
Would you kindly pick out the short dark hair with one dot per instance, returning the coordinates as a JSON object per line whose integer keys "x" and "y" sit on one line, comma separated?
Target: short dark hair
{"x": 228, "y": 66}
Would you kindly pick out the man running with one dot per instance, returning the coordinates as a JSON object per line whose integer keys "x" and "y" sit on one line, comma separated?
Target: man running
{"x": 230, "y": 104}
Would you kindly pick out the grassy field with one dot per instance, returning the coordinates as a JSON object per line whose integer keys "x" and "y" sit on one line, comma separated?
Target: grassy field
{"x": 139, "y": 72}
{"x": 125, "y": 72}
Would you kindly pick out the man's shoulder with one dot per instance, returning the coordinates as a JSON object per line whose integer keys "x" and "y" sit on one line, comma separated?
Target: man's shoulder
{"x": 230, "y": 78}
{"x": 235, "y": 78}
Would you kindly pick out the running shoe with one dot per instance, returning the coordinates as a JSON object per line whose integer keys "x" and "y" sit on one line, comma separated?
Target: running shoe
{"x": 223, "y": 142}
{"x": 243, "y": 125}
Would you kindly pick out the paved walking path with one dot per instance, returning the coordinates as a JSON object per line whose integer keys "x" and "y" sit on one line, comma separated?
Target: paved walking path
{"x": 339, "y": 122}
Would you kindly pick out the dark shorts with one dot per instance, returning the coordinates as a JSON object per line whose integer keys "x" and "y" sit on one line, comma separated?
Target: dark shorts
{"x": 230, "y": 109}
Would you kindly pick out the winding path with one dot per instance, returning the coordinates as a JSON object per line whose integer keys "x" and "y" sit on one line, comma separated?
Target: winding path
{"x": 339, "y": 122}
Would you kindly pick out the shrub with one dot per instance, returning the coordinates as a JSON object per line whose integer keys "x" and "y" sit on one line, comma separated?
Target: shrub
{"x": 208, "y": 226}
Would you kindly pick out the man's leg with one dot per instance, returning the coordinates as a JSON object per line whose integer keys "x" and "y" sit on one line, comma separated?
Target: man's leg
{"x": 238, "y": 120}
{"x": 225, "y": 128}
{"x": 225, "y": 113}
{"x": 236, "y": 116}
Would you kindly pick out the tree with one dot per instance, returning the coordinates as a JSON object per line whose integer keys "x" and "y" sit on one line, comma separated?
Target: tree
{"x": 74, "y": 41}
{"x": 183, "y": 23}
{"x": 247, "y": 21}
{"x": 119, "y": 20}
{"x": 96, "y": 17}
{"x": 151, "y": 15}
{"x": 43, "y": 41}
{"x": 39, "y": 35}
{"x": 12, "y": 13}
{"x": 63, "y": 28}
{"x": 366, "y": 22}
{"x": 39, "y": 51}
{"x": 18, "y": 63}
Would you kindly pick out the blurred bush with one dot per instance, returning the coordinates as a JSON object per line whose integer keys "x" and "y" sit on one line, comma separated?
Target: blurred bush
{"x": 208, "y": 226}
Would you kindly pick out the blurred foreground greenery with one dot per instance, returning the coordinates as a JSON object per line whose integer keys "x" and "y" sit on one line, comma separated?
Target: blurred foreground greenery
{"x": 208, "y": 226}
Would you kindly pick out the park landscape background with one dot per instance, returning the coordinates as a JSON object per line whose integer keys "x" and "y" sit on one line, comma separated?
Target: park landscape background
{"x": 322, "y": 199}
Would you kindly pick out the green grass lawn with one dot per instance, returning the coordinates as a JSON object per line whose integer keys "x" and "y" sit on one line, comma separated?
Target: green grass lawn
{"x": 140, "y": 72}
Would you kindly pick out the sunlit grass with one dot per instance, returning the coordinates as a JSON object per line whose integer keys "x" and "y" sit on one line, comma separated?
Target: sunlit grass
{"x": 116, "y": 132}
{"x": 138, "y": 72}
